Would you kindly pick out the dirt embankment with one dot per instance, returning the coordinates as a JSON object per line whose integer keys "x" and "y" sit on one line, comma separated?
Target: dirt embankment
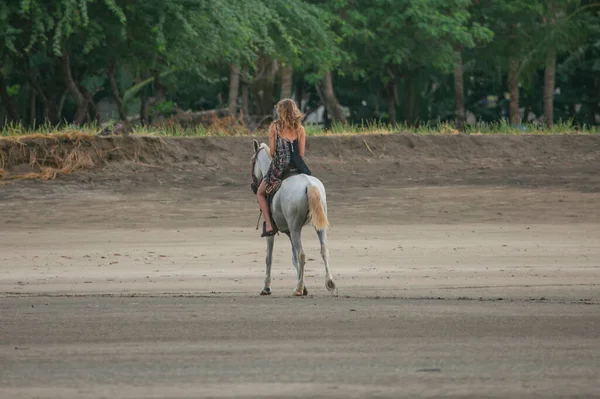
{"x": 534, "y": 150}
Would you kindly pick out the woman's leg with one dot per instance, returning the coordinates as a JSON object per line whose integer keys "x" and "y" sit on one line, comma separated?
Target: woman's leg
{"x": 264, "y": 205}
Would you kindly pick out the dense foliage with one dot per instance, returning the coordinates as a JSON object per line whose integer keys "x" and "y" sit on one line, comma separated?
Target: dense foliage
{"x": 87, "y": 61}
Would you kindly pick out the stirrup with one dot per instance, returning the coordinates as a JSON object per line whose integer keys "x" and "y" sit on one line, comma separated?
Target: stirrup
{"x": 270, "y": 233}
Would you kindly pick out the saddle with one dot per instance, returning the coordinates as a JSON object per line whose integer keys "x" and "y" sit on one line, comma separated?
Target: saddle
{"x": 287, "y": 172}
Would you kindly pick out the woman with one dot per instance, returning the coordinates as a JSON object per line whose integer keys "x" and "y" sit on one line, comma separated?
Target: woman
{"x": 286, "y": 141}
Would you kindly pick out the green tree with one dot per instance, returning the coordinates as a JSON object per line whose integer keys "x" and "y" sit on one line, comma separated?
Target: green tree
{"x": 427, "y": 60}
{"x": 515, "y": 24}
{"x": 286, "y": 36}
{"x": 409, "y": 38}
{"x": 565, "y": 25}
{"x": 11, "y": 33}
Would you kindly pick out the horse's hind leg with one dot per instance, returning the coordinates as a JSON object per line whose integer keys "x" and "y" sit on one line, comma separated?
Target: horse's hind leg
{"x": 295, "y": 261}
{"x": 329, "y": 284}
{"x": 296, "y": 239}
{"x": 269, "y": 261}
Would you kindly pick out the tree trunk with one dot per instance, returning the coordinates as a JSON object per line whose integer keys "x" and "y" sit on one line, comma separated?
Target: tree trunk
{"x": 78, "y": 97}
{"x": 51, "y": 98}
{"x": 513, "y": 88}
{"x": 270, "y": 92}
{"x": 549, "y": 85}
{"x": 245, "y": 95}
{"x": 411, "y": 101}
{"x": 52, "y": 107}
{"x": 36, "y": 89}
{"x": 392, "y": 117}
{"x": 234, "y": 88}
{"x": 378, "y": 95}
{"x": 264, "y": 85}
{"x": 393, "y": 101}
{"x": 9, "y": 105}
{"x": 160, "y": 91}
{"x": 287, "y": 73}
{"x": 32, "y": 107}
{"x": 117, "y": 97}
{"x": 459, "y": 93}
{"x": 144, "y": 109}
{"x": 332, "y": 105}
{"x": 94, "y": 114}
{"x": 299, "y": 94}
{"x": 61, "y": 104}
{"x": 144, "y": 101}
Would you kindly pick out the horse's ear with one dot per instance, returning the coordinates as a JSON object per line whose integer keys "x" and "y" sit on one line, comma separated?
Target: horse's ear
{"x": 255, "y": 143}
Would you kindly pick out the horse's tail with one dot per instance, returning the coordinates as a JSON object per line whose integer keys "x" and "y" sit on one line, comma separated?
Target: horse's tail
{"x": 316, "y": 212}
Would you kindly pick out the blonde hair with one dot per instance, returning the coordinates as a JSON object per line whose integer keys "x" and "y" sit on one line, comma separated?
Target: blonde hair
{"x": 288, "y": 114}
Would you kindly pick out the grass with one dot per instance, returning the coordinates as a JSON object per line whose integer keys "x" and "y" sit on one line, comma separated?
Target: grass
{"x": 48, "y": 155}
{"x": 501, "y": 128}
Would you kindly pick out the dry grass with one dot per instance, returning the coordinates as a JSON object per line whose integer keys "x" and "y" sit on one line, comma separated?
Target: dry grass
{"x": 211, "y": 124}
{"x": 48, "y": 155}
{"x": 50, "y": 152}
{"x": 183, "y": 124}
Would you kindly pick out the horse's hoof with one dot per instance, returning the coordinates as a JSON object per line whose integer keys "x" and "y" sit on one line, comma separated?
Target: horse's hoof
{"x": 305, "y": 291}
{"x": 298, "y": 293}
{"x": 266, "y": 291}
{"x": 330, "y": 285}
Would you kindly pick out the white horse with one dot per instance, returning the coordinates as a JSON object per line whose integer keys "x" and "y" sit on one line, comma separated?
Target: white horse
{"x": 299, "y": 201}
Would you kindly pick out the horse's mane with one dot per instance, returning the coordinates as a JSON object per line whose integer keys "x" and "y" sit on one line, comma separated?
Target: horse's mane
{"x": 266, "y": 147}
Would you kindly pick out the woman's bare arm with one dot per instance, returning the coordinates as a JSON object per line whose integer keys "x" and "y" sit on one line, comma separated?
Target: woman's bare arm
{"x": 301, "y": 141}
{"x": 272, "y": 139}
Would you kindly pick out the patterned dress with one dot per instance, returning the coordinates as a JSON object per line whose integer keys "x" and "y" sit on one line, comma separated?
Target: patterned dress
{"x": 281, "y": 161}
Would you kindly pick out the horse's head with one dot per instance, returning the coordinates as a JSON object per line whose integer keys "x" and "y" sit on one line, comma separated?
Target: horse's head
{"x": 260, "y": 164}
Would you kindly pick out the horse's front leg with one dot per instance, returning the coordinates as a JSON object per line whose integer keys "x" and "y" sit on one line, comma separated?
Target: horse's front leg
{"x": 269, "y": 261}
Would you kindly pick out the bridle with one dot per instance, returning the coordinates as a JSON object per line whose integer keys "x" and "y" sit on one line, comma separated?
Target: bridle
{"x": 255, "y": 182}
